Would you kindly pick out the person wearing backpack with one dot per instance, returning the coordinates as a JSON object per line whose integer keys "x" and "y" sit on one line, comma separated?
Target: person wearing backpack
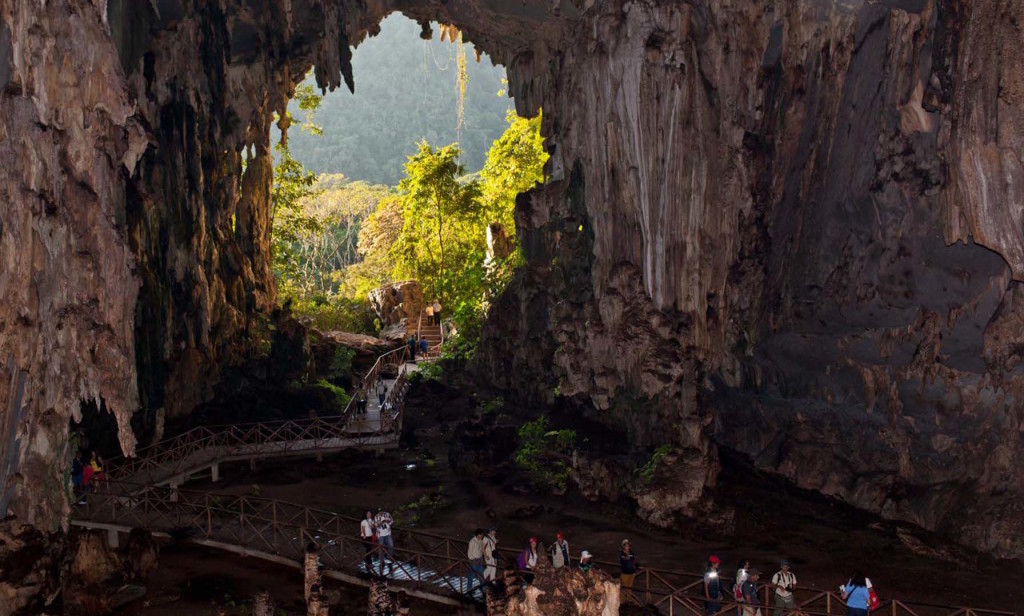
{"x": 527, "y": 561}
{"x": 712, "y": 587}
{"x": 856, "y": 594}
{"x": 783, "y": 582}
{"x": 491, "y": 555}
{"x": 748, "y": 591}
{"x": 741, "y": 576}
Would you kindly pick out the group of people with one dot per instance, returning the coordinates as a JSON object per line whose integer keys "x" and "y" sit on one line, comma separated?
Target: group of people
{"x": 374, "y": 530}
{"x": 417, "y": 344}
{"x": 857, "y": 593}
{"x": 83, "y": 475}
{"x": 361, "y": 396}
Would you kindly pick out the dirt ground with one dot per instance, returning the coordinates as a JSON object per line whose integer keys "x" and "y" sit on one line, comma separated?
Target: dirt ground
{"x": 824, "y": 539}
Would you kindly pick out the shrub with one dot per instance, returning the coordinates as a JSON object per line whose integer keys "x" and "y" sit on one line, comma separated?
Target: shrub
{"x": 545, "y": 454}
{"x": 648, "y": 470}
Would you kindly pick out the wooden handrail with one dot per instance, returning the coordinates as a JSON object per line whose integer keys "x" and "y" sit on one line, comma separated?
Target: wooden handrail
{"x": 283, "y": 528}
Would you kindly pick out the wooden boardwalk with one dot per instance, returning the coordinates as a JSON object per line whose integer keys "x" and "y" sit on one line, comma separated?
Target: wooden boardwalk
{"x": 145, "y": 492}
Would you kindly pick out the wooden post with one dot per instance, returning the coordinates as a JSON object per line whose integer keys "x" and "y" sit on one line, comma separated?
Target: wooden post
{"x": 262, "y": 605}
{"x": 311, "y": 571}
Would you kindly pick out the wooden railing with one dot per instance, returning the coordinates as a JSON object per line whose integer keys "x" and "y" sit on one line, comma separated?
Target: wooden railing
{"x": 394, "y": 358}
{"x": 205, "y": 445}
{"x": 420, "y": 559}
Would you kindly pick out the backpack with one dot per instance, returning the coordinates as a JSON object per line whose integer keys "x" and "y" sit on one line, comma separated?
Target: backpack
{"x": 873, "y": 601}
{"x": 521, "y": 560}
{"x": 737, "y": 592}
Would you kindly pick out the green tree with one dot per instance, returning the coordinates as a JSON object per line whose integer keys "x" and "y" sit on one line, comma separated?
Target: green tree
{"x": 515, "y": 164}
{"x": 443, "y": 222}
{"x": 293, "y": 184}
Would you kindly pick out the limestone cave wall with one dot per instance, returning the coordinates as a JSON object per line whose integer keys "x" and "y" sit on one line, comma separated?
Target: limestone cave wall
{"x": 792, "y": 229}
{"x": 788, "y": 227}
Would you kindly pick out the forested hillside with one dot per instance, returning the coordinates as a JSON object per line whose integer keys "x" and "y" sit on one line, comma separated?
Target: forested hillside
{"x": 407, "y": 89}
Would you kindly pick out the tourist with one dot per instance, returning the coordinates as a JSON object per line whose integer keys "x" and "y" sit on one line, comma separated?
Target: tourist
{"x": 382, "y": 523}
{"x": 560, "y": 552}
{"x": 586, "y": 561}
{"x": 424, "y": 345}
{"x": 437, "y": 312}
{"x": 430, "y": 314}
{"x": 411, "y": 342}
{"x": 856, "y": 594}
{"x": 76, "y": 473}
{"x": 741, "y": 576}
{"x": 382, "y": 392}
{"x": 475, "y": 554}
{"x": 96, "y": 463}
{"x": 712, "y": 586}
{"x": 748, "y": 590}
{"x": 491, "y": 554}
{"x": 627, "y": 567}
{"x": 369, "y": 537}
{"x": 527, "y": 561}
{"x": 361, "y": 400}
{"x": 783, "y": 582}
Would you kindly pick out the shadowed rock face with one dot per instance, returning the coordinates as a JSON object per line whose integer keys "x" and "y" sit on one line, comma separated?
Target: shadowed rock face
{"x": 788, "y": 227}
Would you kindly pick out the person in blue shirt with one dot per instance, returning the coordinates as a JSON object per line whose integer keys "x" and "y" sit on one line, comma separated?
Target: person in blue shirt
{"x": 748, "y": 588}
{"x": 855, "y": 593}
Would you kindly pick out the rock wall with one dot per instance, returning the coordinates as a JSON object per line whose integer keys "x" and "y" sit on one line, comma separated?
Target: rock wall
{"x": 791, "y": 227}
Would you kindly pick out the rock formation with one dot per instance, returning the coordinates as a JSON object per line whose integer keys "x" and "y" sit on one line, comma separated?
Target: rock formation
{"x": 398, "y": 303}
{"x": 789, "y": 227}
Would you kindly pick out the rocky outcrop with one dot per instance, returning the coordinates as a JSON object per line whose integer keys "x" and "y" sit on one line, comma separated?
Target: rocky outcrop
{"x": 33, "y": 569}
{"x": 791, "y": 227}
{"x": 398, "y": 303}
{"x": 756, "y": 232}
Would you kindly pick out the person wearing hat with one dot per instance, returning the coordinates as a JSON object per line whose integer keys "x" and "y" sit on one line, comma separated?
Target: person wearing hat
{"x": 783, "y": 582}
{"x": 627, "y": 567}
{"x": 712, "y": 586}
{"x": 751, "y": 606}
{"x": 586, "y": 564}
{"x": 490, "y": 554}
{"x": 560, "y": 552}
{"x": 527, "y": 561}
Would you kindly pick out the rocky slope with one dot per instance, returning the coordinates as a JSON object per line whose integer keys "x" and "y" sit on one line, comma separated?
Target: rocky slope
{"x": 790, "y": 227}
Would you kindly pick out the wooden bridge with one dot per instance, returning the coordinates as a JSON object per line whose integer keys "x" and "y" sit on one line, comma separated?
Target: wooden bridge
{"x": 145, "y": 492}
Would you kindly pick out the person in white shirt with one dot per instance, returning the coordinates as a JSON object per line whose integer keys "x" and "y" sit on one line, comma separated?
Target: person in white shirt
{"x": 382, "y": 523}
{"x": 475, "y": 554}
{"x": 560, "y": 552}
{"x": 783, "y": 582}
{"x": 367, "y": 534}
{"x": 741, "y": 576}
{"x": 491, "y": 555}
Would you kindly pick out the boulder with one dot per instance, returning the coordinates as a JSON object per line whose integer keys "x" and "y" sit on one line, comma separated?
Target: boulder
{"x": 397, "y": 302}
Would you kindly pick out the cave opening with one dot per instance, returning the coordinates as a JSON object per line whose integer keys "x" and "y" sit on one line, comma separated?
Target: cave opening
{"x": 410, "y": 180}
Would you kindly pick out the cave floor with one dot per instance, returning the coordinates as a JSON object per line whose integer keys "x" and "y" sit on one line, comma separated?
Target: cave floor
{"x": 824, "y": 539}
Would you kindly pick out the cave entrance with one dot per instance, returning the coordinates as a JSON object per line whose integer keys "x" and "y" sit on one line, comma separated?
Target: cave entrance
{"x": 412, "y": 177}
